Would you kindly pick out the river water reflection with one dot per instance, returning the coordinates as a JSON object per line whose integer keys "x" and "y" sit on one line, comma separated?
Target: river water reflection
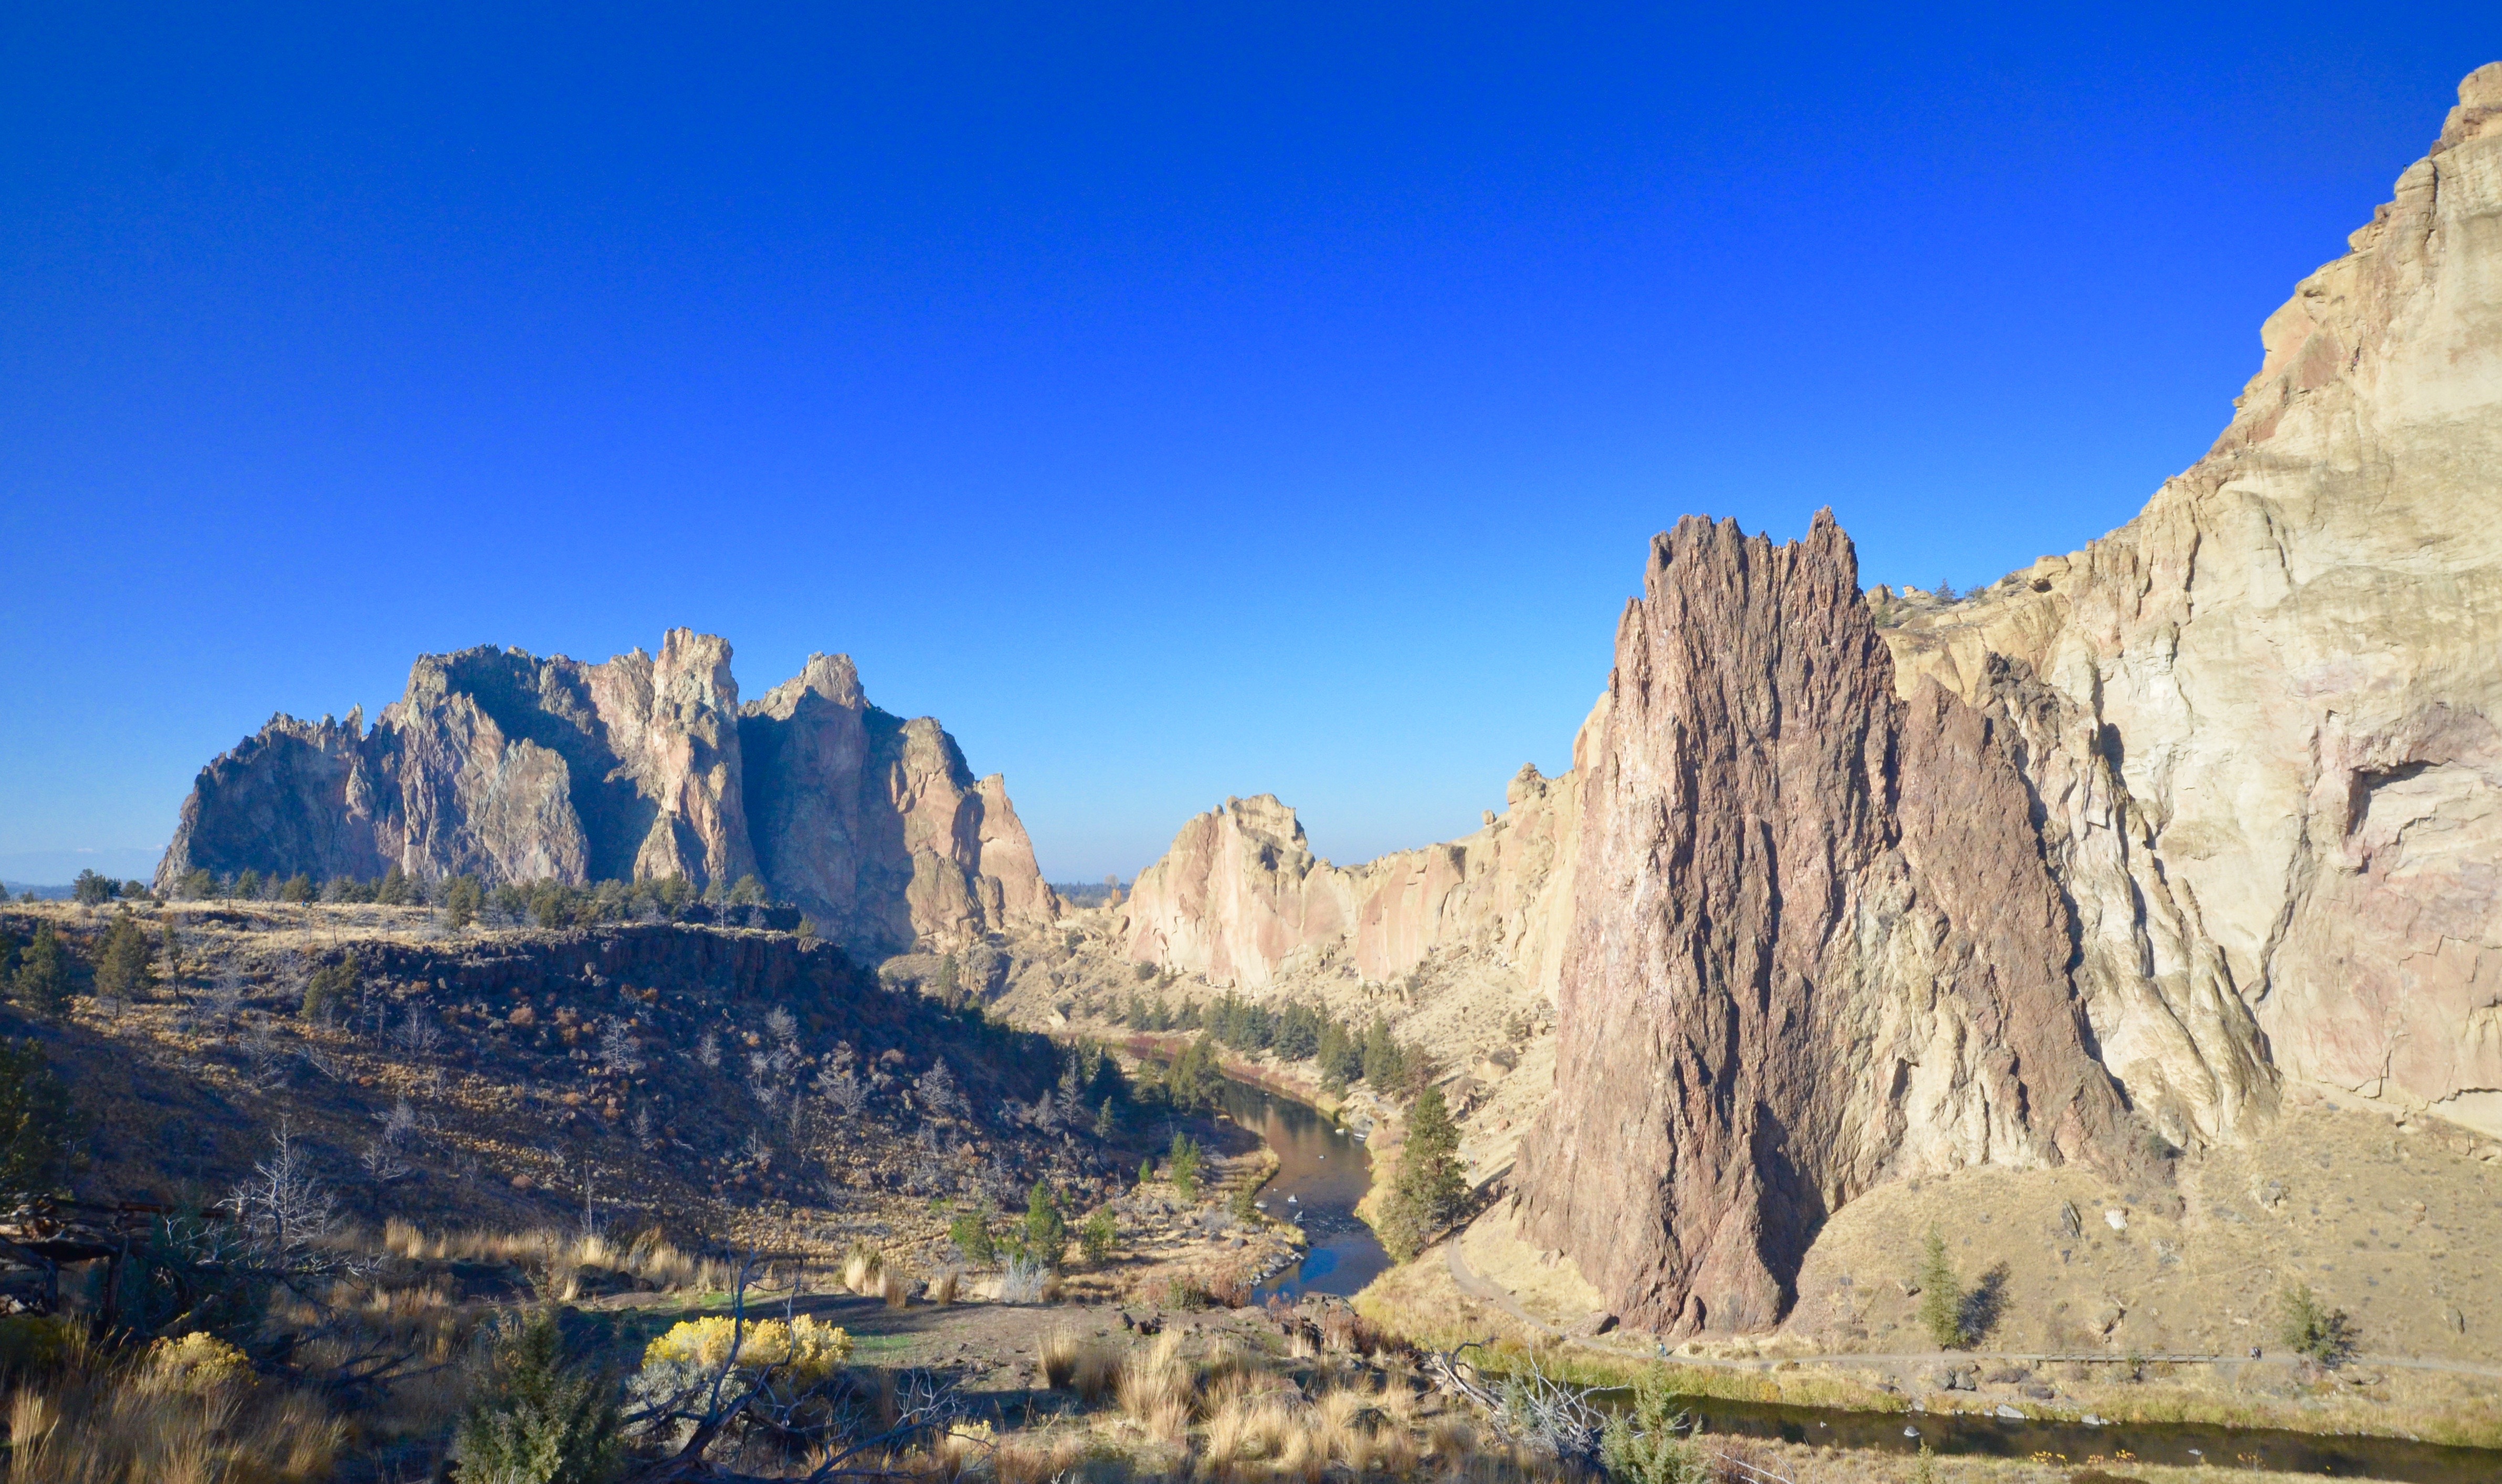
{"x": 1322, "y": 1172}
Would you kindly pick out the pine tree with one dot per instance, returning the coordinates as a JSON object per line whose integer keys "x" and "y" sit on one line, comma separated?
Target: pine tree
{"x": 1047, "y": 1230}
{"x": 1940, "y": 1296}
{"x": 126, "y": 966}
{"x": 42, "y": 982}
{"x": 1430, "y": 1185}
{"x": 35, "y": 1123}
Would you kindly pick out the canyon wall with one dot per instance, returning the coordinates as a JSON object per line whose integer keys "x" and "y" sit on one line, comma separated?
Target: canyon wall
{"x": 1240, "y": 900}
{"x": 1813, "y": 942}
{"x": 509, "y": 768}
{"x": 2281, "y": 678}
{"x": 2123, "y": 844}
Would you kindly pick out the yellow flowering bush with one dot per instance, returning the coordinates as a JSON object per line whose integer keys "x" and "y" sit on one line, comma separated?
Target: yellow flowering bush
{"x": 805, "y": 1351}
{"x": 194, "y": 1365}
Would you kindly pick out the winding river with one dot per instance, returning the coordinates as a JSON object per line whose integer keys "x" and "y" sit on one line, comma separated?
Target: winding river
{"x": 1323, "y": 1171}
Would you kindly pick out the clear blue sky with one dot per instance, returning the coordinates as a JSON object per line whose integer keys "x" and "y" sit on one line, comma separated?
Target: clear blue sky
{"x": 1177, "y": 401}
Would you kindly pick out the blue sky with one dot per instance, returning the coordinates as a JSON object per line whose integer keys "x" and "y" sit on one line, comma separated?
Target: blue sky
{"x": 1177, "y": 401}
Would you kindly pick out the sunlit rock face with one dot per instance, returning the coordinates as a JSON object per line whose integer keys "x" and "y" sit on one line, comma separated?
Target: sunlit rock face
{"x": 1241, "y": 900}
{"x": 503, "y": 766}
{"x": 2265, "y": 736}
{"x": 2122, "y": 846}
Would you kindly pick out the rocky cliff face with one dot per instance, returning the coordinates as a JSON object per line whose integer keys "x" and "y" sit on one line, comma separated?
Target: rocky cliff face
{"x": 510, "y": 767}
{"x": 1814, "y": 942}
{"x": 1241, "y": 900}
{"x": 2265, "y": 729}
{"x": 2136, "y": 837}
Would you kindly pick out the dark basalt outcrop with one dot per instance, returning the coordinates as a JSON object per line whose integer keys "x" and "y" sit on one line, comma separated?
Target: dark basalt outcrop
{"x": 1815, "y": 943}
{"x": 503, "y": 766}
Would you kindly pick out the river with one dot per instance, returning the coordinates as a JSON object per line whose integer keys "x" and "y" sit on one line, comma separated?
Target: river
{"x": 1323, "y": 1171}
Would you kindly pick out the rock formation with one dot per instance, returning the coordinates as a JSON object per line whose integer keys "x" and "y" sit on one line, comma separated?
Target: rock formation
{"x": 1813, "y": 942}
{"x": 2129, "y": 841}
{"x": 2267, "y": 709}
{"x": 502, "y": 765}
{"x": 1241, "y": 900}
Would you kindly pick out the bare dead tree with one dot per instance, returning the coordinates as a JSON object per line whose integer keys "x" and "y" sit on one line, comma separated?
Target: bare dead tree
{"x": 1529, "y": 1408}
{"x": 419, "y": 1035}
{"x": 619, "y": 1052}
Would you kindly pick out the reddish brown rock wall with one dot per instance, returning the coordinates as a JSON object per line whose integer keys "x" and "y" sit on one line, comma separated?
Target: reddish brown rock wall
{"x": 1813, "y": 942}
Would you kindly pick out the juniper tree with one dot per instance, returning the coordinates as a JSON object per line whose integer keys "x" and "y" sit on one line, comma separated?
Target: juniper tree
{"x": 42, "y": 981}
{"x": 1047, "y": 1230}
{"x": 1940, "y": 1296}
{"x": 1430, "y": 1185}
{"x": 36, "y": 1125}
{"x": 125, "y": 965}
{"x": 1185, "y": 1167}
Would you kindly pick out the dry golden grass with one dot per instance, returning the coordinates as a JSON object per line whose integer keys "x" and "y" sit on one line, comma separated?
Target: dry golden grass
{"x": 112, "y": 1428}
{"x": 894, "y": 1286}
{"x": 861, "y": 1267}
{"x": 558, "y": 1257}
{"x": 1153, "y": 1380}
{"x": 1028, "y": 1458}
{"x": 942, "y": 1288}
{"x": 1060, "y": 1351}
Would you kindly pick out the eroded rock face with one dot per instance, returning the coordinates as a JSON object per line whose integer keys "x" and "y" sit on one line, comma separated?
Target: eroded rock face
{"x": 2216, "y": 800}
{"x": 1815, "y": 943}
{"x": 2284, "y": 671}
{"x": 1240, "y": 900}
{"x": 503, "y": 766}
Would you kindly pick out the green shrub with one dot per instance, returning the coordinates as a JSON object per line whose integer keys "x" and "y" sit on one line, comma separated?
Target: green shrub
{"x": 536, "y": 1417}
{"x": 2310, "y": 1327}
{"x": 971, "y": 1234}
{"x": 1099, "y": 1235}
{"x": 35, "y": 1346}
{"x": 1641, "y": 1445}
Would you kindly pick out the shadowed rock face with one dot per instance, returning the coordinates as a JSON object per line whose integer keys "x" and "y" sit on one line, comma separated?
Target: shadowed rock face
{"x": 510, "y": 767}
{"x": 1813, "y": 942}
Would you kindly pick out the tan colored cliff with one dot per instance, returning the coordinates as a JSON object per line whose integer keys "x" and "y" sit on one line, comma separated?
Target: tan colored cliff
{"x": 1240, "y": 900}
{"x": 2268, "y": 743}
{"x": 506, "y": 766}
